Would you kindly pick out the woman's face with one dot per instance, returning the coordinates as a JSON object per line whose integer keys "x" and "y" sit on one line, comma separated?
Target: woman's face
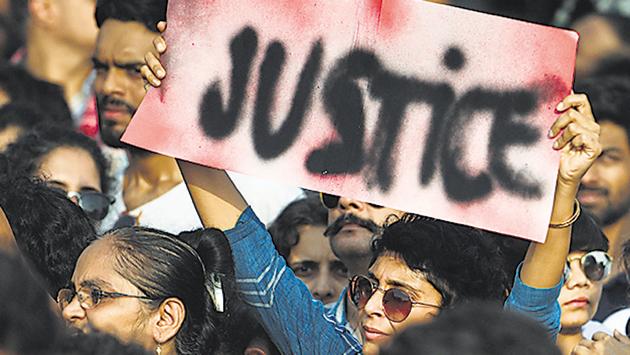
{"x": 126, "y": 318}
{"x": 389, "y": 271}
{"x": 579, "y": 296}
{"x": 70, "y": 169}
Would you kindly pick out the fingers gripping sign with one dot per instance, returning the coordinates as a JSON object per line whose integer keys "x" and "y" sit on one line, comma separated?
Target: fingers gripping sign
{"x": 153, "y": 71}
{"x": 576, "y": 136}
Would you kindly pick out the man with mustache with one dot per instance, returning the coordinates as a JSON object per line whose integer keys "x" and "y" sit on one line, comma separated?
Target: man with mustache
{"x": 605, "y": 189}
{"x": 152, "y": 189}
{"x": 353, "y": 225}
{"x": 126, "y": 33}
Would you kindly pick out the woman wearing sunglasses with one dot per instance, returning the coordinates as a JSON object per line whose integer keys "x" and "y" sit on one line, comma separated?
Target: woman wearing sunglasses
{"x": 69, "y": 162}
{"x": 588, "y": 264}
{"x": 149, "y": 287}
{"x": 399, "y": 292}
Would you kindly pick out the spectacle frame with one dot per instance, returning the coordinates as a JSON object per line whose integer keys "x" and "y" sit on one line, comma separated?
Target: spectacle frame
{"x": 89, "y": 296}
{"x": 596, "y": 265}
{"x": 397, "y": 304}
{"x": 95, "y": 204}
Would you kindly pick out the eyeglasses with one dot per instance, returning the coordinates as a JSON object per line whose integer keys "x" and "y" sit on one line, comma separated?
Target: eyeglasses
{"x": 89, "y": 297}
{"x": 332, "y": 201}
{"x": 596, "y": 265}
{"x": 397, "y": 303}
{"x": 95, "y": 204}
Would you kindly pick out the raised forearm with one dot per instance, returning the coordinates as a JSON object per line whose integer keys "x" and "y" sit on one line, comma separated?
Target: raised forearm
{"x": 218, "y": 202}
{"x": 544, "y": 263}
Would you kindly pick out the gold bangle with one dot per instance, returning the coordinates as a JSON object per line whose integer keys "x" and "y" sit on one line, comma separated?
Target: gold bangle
{"x": 570, "y": 221}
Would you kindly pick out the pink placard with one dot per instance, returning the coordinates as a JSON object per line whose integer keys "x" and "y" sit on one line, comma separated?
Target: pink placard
{"x": 417, "y": 106}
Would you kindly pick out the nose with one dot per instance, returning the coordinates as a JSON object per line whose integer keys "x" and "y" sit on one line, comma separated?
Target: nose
{"x": 374, "y": 306}
{"x": 322, "y": 288}
{"x": 349, "y": 204}
{"x": 577, "y": 277}
{"x": 111, "y": 82}
{"x": 592, "y": 175}
{"x": 73, "y": 313}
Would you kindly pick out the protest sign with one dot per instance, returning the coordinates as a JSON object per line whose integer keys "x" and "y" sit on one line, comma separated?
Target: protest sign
{"x": 417, "y": 106}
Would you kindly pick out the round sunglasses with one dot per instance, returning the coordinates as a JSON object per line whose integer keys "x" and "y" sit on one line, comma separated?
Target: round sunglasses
{"x": 332, "y": 201}
{"x": 596, "y": 265}
{"x": 95, "y": 204}
{"x": 397, "y": 304}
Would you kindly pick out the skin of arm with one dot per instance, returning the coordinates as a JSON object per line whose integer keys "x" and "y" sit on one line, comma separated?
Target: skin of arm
{"x": 218, "y": 202}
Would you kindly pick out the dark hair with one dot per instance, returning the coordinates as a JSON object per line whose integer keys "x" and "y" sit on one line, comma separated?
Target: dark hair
{"x": 22, "y": 116}
{"x": 27, "y": 153}
{"x": 50, "y": 230}
{"x": 625, "y": 254}
{"x": 45, "y": 97}
{"x": 161, "y": 265}
{"x": 609, "y": 97}
{"x": 28, "y": 323}
{"x": 615, "y": 65}
{"x": 15, "y": 24}
{"x": 587, "y": 235}
{"x": 307, "y": 211}
{"x": 95, "y": 344}
{"x": 247, "y": 329}
{"x": 147, "y": 12}
{"x": 11, "y": 37}
{"x": 462, "y": 263}
{"x": 474, "y": 329}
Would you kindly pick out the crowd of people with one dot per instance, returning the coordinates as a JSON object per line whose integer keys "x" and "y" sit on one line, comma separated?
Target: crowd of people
{"x": 106, "y": 248}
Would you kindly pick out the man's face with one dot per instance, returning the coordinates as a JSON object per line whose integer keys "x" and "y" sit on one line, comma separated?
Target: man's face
{"x": 352, "y": 226}
{"x": 605, "y": 188}
{"x": 597, "y": 41}
{"x": 313, "y": 262}
{"x": 120, "y": 50}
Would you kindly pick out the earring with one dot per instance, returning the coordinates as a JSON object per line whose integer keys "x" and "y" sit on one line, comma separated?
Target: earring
{"x": 158, "y": 350}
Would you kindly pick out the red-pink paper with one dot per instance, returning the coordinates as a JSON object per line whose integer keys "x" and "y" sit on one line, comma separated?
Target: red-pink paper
{"x": 417, "y": 106}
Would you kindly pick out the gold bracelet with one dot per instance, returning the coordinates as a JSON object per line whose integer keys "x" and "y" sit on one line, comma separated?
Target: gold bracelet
{"x": 570, "y": 221}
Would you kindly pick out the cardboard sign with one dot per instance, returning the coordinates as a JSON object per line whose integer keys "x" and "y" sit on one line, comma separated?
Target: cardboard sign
{"x": 417, "y": 106}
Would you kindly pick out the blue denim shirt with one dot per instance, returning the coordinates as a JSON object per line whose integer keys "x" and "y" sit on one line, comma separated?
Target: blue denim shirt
{"x": 298, "y": 324}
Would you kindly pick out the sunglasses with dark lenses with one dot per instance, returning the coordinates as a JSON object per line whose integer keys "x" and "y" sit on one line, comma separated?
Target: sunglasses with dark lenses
{"x": 397, "y": 303}
{"x": 332, "y": 201}
{"x": 95, "y": 204}
{"x": 596, "y": 265}
{"x": 89, "y": 297}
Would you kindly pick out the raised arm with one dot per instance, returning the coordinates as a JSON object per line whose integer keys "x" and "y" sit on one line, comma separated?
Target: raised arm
{"x": 577, "y": 137}
{"x": 296, "y": 323}
{"x": 539, "y": 280}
